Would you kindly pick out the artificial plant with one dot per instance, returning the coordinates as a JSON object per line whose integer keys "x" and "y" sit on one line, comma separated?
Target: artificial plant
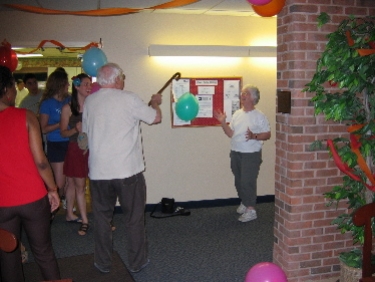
{"x": 344, "y": 92}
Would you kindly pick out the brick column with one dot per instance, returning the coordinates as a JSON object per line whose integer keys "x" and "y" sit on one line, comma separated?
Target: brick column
{"x": 306, "y": 244}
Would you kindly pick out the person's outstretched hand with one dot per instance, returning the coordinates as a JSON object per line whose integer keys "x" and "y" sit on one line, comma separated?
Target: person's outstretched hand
{"x": 220, "y": 116}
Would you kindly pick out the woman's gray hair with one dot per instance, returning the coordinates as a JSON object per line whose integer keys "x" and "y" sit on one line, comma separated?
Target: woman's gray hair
{"x": 108, "y": 73}
{"x": 253, "y": 91}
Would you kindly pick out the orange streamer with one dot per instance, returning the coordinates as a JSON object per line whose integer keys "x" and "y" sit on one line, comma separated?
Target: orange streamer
{"x": 355, "y": 127}
{"x": 349, "y": 38}
{"x": 99, "y": 12}
{"x": 365, "y": 52}
{"x": 43, "y": 42}
{"x": 355, "y": 145}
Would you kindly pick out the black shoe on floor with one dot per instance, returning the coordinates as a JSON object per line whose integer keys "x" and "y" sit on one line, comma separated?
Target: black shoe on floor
{"x": 139, "y": 269}
{"x": 102, "y": 270}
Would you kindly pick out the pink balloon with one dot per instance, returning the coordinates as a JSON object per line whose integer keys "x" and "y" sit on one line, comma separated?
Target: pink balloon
{"x": 259, "y": 2}
{"x": 266, "y": 272}
{"x": 95, "y": 87}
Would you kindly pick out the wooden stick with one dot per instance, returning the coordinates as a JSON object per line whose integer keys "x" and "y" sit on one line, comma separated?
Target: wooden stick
{"x": 176, "y": 76}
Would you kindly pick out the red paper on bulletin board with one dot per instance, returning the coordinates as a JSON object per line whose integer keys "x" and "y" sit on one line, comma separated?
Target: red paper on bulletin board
{"x": 213, "y": 93}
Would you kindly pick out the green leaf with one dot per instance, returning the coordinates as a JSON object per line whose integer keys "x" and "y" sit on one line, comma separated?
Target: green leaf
{"x": 323, "y": 18}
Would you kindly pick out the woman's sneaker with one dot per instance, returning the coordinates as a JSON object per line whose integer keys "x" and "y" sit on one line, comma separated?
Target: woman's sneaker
{"x": 248, "y": 215}
{"x": 241, "y": 209}
{"x": 63, "y": 201}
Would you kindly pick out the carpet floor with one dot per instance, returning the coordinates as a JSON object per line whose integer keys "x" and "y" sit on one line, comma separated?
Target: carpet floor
{"x": 209, "y": 245}
{"x": 81, "y": 269}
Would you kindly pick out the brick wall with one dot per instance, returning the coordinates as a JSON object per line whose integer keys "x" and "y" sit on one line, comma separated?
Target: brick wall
{"x": 306, "y": 245}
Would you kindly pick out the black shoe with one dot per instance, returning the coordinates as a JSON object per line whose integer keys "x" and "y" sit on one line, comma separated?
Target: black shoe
{"x": 139, "y": 269}
{"x": 102, "y": 270}
{"x": 53, "y": 214}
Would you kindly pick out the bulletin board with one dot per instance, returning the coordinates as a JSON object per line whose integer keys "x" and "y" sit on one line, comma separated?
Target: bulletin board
{"x": 213, "y": 93}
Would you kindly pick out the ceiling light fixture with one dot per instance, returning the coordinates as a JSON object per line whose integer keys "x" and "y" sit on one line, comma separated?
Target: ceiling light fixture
{"x": 29, "y": 55}
{"x": 212, "y": 50}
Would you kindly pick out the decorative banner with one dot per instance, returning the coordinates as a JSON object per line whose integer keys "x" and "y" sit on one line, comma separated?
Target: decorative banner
{"x": 269, "y": 10}
{"x": 54, "y": 42}
{"x": 100, "y": 12}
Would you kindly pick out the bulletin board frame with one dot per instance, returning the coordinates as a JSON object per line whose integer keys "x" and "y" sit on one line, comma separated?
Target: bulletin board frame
{"x": 213, "y": 93}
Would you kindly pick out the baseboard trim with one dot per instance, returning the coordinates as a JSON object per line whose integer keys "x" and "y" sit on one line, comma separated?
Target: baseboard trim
{"x": 209, "y": 203}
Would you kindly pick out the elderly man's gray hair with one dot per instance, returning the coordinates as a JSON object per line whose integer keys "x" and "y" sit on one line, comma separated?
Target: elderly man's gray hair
{"x": 108, "y": 73}
{"x": 253, "y": 91}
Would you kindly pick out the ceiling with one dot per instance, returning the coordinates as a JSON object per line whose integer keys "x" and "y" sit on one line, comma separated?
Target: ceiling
{"x": 205, "y": 7}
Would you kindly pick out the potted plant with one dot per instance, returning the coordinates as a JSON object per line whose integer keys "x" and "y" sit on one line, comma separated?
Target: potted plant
{"x": 345, "y": 93}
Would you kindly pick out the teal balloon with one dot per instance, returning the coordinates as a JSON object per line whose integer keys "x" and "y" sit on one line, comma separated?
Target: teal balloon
{"x": 187, "y": 107}
{"x": 92, "y": 60}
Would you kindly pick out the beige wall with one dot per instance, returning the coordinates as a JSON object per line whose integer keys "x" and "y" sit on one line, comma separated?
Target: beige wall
{"x": 188, "y": 164}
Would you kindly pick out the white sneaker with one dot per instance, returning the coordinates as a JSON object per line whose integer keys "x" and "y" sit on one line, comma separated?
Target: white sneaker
{"x": 248, "y": 215}
{"x": 64, "y": 203}
{"x": 241, "y": 208}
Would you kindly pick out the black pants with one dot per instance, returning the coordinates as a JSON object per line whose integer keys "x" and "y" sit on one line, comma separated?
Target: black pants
{"x": 131, "y": 193}
{"x": 35, "y": 219}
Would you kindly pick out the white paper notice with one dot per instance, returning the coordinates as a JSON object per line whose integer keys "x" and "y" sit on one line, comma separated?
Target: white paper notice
{"x": 205, "y": 106}
{"x": 228, "y": 109}
{"x": 180, "y": 87}
{"x": 206, "y": 90}
{"x": 231, "y": 89}
{"x": 206, "y": 82}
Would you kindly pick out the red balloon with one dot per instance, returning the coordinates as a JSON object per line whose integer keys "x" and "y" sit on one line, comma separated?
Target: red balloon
{"x": 5, "y": 57}
{"x": 269, "y": 10}
{"x": 13, "y": 60}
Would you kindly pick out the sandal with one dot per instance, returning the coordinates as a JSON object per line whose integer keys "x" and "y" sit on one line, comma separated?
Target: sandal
{"x": 24, "y": 254}
{"x": 113, "y": 227}
{"x": 83, "y": 229}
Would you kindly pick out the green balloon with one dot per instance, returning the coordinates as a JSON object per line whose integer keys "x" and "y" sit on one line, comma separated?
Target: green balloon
{"x": 187, "y": 107}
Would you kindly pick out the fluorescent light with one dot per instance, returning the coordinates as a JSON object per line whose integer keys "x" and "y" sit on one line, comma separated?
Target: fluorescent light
{"x": 29, "y": 55}
{"x": 263, "y": 51}
{"x": 212, "y": 50}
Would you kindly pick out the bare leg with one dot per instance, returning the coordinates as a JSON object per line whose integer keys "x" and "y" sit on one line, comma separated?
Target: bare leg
{"x": 80, "y": 185}
{"x": 60, "y": 178}
{"x": 70, "y": 199}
